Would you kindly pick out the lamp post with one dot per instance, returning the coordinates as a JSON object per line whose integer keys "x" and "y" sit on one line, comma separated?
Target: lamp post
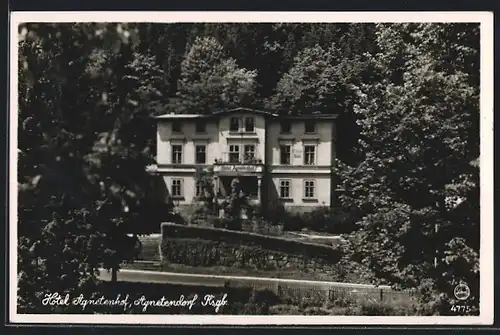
{"x": 436, "y": 228}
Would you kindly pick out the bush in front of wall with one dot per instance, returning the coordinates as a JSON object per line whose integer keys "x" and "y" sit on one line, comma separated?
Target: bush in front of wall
{"x": 335, "y": 220}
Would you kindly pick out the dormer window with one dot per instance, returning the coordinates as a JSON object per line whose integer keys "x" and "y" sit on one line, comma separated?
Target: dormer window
{"x": 249, "y": 124}
{"x": 176, "y": 127}
{"x": 201, "y": 127}
{"x": 310, "y": 127}
{"x": 234, "y": 124}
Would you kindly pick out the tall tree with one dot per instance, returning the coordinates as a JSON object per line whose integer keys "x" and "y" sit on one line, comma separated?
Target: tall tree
{"x": 312, "y": 84}
{"x": 210, "y": 79}
{"x": 420, "y": 140}
{"x": 125, "y": 143}
{"x": 323, "y": 81}
{"x": 51, "y": 63}
{"x": 83, "y": 93}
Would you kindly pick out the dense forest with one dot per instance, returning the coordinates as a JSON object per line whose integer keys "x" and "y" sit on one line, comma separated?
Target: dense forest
{"x": 407, "y": 96}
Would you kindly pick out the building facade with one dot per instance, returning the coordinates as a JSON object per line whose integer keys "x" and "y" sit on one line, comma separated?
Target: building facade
{"x": 276, "y": 159}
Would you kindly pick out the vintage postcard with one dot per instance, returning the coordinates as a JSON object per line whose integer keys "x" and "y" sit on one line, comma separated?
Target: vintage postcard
{"x": 251, "y": 168}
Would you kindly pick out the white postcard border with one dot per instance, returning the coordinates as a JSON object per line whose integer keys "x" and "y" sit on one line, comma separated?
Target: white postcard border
{"x": 486, "y": 163}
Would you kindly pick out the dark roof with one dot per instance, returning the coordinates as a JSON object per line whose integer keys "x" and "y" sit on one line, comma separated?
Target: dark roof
{"x": 179, "y": 116}
{"x": 245, "y": 109}
{"x": 314, "y": 116}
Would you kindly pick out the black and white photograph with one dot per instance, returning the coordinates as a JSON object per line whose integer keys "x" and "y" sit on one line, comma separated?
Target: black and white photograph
{"x": 242, "y": 168}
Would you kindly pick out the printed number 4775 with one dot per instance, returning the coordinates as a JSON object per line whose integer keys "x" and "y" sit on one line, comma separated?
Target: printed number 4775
{"x": 460, "y": 308}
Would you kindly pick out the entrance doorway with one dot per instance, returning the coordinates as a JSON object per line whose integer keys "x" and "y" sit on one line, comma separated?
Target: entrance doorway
{"x": 248, "y": 184}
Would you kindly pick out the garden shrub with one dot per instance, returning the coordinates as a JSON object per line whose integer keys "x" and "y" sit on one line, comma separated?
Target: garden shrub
{"x": 260, "y": 225}
{"x": 377, "y": 308}
{"x": 322, "y": 219}
{"x": 316, "y": 311}
{"x": 347, "y": 310}
{"x": 200, "y": 215}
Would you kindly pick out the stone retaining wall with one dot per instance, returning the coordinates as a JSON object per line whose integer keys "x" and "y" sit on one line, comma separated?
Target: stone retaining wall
{"x": 205, "y": 246}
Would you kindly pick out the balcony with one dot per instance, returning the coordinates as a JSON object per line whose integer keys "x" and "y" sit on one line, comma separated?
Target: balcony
{"x": 235, "y": 158}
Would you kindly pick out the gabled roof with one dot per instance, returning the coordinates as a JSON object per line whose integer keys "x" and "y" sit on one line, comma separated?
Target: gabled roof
{"x": 244, "y": 109}
{"x": 314, "y": 116}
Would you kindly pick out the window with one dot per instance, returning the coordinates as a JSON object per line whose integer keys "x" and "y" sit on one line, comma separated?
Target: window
{"x": 199, "y": 192}
{"x": 234, "y": 153}
{"x": 176, "y": 154}
{"x": 310, "y": 127}
{"x": 285, "y": 154}
{"x": 234, "y": 124}
{"x": 201, "y": 154}
{"x": 249, "y": 124}
{"x": 176, "y": 127}
{"x": 249, "y": 152}
{"x": 285, "y": 189}
{"x": 286, "y": 127}
{"x": 309, "y": 189}
{"x": 309, "y": 154}
{"x": 176, "y": 187}
{"x": 201, "y": 127}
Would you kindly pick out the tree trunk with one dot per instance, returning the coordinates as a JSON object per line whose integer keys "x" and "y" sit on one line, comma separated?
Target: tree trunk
{"x": 114, "y": 275}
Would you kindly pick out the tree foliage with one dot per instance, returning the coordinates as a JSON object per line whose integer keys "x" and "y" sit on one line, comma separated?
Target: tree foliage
{"x": 312, "y": 84}
{"x": 82, "y": 91}
{"x": 420, "y": 139}
{"x": 210, "y": 79}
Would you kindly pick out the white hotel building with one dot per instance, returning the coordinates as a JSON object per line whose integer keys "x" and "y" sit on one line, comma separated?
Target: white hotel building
{"x": 287, "y": 159}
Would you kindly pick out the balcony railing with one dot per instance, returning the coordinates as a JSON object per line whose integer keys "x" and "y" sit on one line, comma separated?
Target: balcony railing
{"x": 238, "y": 158}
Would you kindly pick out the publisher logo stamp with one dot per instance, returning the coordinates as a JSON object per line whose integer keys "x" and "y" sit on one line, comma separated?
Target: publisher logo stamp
{"x": 461, "y": 291}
